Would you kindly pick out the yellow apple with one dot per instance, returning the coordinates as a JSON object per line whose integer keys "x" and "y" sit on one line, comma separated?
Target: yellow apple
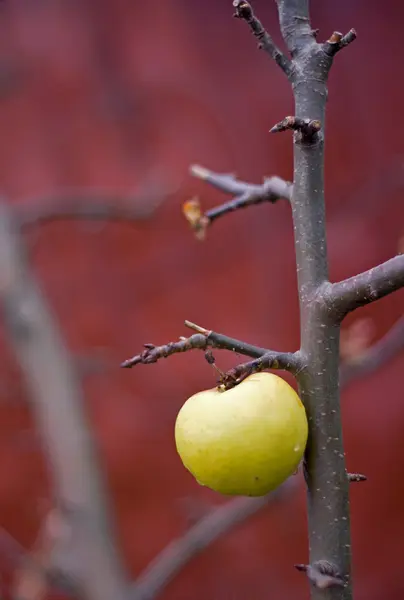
{"x": 243, "y": 441}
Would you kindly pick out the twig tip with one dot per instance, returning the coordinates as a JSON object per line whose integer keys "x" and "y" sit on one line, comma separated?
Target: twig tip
{"x": 199, "y": 171}
{"x": 196, "y": 327}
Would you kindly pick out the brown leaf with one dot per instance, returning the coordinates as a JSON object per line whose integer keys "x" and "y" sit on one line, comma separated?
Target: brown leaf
{"x": 193, "y": 213}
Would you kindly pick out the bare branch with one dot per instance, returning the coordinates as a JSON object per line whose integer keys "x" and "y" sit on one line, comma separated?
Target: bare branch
{"x": 322, "y": 574}
{"x": 179, "y": 552}
{"x": 376, "y": 356}
{"x": 211, "y": 339}
{"x": 345, "y": 296}
{"x": 90, "y": 206}
{"x": 59, "y": 410}
{"x": 244, "y": 11}
{"x": 338, "y": 41}
{"x": 246, "y": 194}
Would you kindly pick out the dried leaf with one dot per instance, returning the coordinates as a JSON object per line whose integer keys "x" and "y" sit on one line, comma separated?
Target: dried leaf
{"x": 193, "y": 213}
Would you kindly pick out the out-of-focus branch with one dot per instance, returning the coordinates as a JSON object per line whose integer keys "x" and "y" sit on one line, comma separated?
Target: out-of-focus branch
{"x": 345, "y": 296}
{"x": 379, "y": 354}
{"x": 179, "y": 552}
{"x": 38, "y": 571}
{"x": 92, "y": 206}
{"x": 245, "y": 194}
{"x": 58, "y": 406}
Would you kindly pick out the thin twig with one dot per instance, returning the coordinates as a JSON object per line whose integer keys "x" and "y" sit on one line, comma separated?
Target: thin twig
{"x": 90, "y": 206}
{"x": 245, "y": 195}
{"x": 285, "y": 361}
{"x": 179, "y": 552}
{"x": 244, "y": 11}
{"x": 211, "y": 339}
{"x": 345, "y": 296}
{"x": 272, "y": 189}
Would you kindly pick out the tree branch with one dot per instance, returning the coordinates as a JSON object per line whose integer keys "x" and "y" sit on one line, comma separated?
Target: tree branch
{"x": 204, "y": 339}
{"x": 324, "y": 465}
{"x": 285, "y": 361}
{"x": 246, "y": 194}
{"x": 179, "y": 552}
{"x": 91, "y": 206}
{"x": 58, "y": 406}
{"x": 244, "y": 11}
{"x": 345, "y": 296}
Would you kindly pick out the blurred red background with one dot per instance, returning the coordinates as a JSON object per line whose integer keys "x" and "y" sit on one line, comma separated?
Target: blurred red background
{"x": 98, "y": 95}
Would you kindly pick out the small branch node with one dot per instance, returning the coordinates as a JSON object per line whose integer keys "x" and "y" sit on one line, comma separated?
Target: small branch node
{"x": 356, "y": 477}
{"x": 337, "y": 41}
{"x": 322, "y": 574}
{"x": 308, "y": 128}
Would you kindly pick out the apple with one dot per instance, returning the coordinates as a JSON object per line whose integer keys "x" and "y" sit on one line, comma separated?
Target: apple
{"x": 243, "y": 441}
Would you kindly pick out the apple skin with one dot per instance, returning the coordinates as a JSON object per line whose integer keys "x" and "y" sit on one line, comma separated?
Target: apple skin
{"x": 244, "y": 441}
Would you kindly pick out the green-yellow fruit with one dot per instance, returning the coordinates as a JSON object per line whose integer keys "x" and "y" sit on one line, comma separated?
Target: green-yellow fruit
{"x": 244, "y": 441}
